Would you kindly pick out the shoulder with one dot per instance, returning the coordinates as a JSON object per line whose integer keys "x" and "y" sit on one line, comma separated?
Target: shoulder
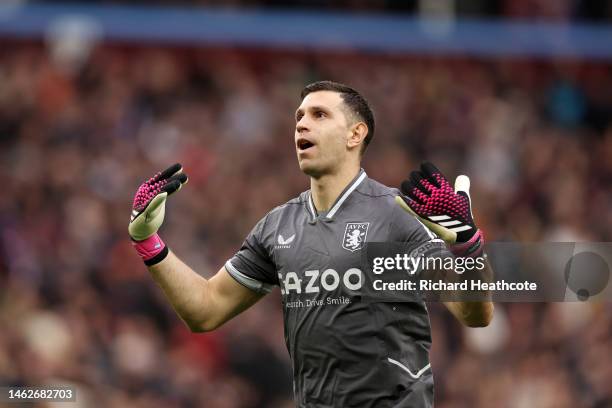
{"x": 295, "y": 205}
{"x": 377, "y": 194}
{"x": 292, "y": 209}
{"x": 381, "y": 199}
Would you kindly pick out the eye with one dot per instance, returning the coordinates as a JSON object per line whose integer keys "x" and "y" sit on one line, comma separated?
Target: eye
{"x": 320, "y": 114}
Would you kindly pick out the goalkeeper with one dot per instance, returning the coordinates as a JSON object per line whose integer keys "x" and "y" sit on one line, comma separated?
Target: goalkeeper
{"x": 344, "y": 354}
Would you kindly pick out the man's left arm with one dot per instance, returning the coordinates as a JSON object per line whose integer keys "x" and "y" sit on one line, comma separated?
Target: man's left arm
{"x": 477, "y": 313}
{"x": 447, "y": 212}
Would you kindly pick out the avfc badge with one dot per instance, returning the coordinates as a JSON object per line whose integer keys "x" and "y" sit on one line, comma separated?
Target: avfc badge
{"x": 355, "y": 235}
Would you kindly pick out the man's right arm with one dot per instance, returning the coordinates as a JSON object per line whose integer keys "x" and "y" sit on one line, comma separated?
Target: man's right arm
{"x": 203, "y": 304}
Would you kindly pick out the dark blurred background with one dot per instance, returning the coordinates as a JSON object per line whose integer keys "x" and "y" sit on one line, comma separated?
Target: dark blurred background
{"x": 87, "y": 114}
{"x": 595, "y": 10}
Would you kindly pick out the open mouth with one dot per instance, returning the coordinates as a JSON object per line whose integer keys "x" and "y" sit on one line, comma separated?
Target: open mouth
{"x": 304, "y": 144}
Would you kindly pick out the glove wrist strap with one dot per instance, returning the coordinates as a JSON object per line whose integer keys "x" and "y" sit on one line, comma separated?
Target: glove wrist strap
{"x": 152, "y": 250}
{"x": 472, "y": 248}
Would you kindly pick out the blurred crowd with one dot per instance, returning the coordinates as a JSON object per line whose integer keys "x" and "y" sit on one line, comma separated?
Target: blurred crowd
{"x": 77, "y": 306}
{"x": 551, "y": 10}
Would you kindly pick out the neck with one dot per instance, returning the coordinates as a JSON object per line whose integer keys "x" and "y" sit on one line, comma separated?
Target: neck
{"x": 326, "y": 189}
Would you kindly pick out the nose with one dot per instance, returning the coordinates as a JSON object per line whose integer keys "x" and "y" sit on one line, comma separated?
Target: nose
{"x": 300, "y": 128}
{"x": 301, "y": 125}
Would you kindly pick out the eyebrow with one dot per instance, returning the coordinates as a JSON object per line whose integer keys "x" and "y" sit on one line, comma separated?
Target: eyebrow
{"x": 311, "y": 108}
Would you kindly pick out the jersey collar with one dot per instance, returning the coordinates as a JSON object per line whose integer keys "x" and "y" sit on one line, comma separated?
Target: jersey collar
{"x": 341, "y": 198}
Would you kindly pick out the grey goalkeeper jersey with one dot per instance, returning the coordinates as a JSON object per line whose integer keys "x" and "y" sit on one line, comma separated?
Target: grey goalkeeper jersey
{"x": 345, "y": 352}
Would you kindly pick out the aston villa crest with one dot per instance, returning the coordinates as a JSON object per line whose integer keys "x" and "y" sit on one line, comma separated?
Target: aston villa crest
{"x": 355, "y": 235}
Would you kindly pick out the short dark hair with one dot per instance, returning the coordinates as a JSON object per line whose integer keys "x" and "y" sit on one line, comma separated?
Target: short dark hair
{"x": 352, "y": 99}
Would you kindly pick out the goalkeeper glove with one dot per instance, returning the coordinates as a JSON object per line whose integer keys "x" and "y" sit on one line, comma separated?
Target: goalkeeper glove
{"x": 148, "y": 212}
{"x": 428, "y": 195}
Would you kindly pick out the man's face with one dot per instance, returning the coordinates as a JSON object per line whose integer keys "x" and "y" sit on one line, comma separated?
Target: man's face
{"x": 321, "y": 133}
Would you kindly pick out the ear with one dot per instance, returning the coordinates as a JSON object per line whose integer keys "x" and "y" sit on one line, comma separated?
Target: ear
{"x": 357, "y": 133}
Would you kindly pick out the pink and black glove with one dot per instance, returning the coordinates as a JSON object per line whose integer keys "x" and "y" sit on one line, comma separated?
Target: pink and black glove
{"x": 148, "y": 212}
{"x": 447, "y": 212}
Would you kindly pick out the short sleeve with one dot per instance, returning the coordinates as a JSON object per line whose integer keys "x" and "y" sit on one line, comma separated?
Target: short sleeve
{"x": 252, "y": 265}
